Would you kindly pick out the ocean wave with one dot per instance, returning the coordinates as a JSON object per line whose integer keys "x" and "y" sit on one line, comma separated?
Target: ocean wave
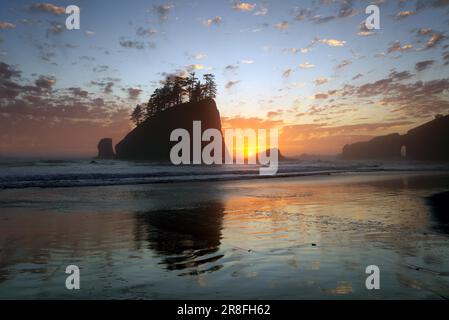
{"x": 58, "y": 174}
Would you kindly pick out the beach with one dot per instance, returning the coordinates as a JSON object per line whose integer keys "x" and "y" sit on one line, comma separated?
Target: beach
{"x": 308, "y": 237}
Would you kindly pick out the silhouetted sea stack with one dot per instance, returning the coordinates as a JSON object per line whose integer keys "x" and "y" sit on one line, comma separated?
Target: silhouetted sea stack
{"x": 428, "y": 142}
{"x": 105, "y": 150}
{"x": 151, "y": 139}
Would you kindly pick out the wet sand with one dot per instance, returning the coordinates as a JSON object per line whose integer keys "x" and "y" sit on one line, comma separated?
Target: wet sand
{"x": 291, "y": 238}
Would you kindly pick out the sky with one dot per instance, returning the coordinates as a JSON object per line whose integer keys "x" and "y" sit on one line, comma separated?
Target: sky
{"x": 309, "y": 68}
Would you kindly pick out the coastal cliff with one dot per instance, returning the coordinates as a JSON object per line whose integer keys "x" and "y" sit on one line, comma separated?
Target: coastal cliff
{"x": 428, "y": 142}
{"x": 150, "y": 140}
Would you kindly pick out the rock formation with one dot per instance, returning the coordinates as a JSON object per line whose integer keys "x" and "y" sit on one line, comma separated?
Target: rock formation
{"x": 105, "y": 150}
{"x": 151, "y": 139}
{"x": 428, "y": 142}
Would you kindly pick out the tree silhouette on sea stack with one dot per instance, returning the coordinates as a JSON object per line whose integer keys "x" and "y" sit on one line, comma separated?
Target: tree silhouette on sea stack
{"x": 175, "y": 90}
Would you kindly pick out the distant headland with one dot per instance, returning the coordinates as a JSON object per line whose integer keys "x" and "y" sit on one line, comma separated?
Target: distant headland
{"x": 427, "y": 142}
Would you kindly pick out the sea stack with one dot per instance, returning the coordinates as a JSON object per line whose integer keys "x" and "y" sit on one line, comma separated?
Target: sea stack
{"x": 105, "y": 150}
{"x": 150, "y": 140}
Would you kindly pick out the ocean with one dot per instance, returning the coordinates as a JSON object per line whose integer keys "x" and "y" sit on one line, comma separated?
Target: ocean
{"x": 145, "y": 231}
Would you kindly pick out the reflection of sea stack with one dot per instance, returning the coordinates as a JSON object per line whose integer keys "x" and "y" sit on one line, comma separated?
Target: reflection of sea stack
{"x": 105, "y": 150}
{"x": 150, "y": 140}
{"x": 428, "y": 142}
{"x": 186, "y": 238}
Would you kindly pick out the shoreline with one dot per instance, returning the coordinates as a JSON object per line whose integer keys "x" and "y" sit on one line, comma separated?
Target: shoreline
{"x": 224, "y": 176}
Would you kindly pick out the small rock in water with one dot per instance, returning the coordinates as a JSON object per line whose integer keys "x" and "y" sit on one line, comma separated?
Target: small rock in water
{"x": 313, "y": 244}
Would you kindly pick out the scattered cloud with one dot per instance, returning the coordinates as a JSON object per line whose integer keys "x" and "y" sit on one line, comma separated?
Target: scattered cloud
{"x": 320, "y": 81}
{"x": 243, "y": 6}
{"x": 321, "y": 96}
{"x": 48, "y": 7}
{"x": 423, "y": 65}
{"x": 194, "y": 67}
{"x": 163, "y": 11}
{"x": 434, "y": 39}
{"x": 231, "y": 67}
{"x": 404, "y": 14}
{"x": 248, "y": 61}
{"x": 231, "y": 84}
{"x": 306, "y": 65}
{"x": 333, "y": 42}
{"x": 133, "y": 93}
{"x": 217, "y": 20}
{"x": 130, "y": 44}
{"x": 287, "y": 73}
{"x": 45, "y": 82}
{"x": 343, "y": 64}
{"x": 6, "y": 25}
{"x": 282, "y": 26}
{"x": 143, "y": 32}
{"x": 397, "y": 47}
{"x": 261, "y": 12}
{"x": 199, "y": 56}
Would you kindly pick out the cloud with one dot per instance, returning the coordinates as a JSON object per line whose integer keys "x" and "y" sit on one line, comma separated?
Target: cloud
{"x": 287, "y": 73}
{"x": 297, "y": 50}
{"x": 129, "y": 44}
{"x": 145, "y": 31}
{"x": 306, "y": 65}
{"x": 133, "y": 93}
{"x": 55, "y": 28}
{"x": 45, "y": 82}
{"x": 8, "y": 72}
{"x": 231, "y": 67}
{"x": 418, "y": 99}
{"x": 194, "y": 67}
{"x": 6, "y": 25}
{"x": 343, "y": 64}
{"x": 231, "y": 84}
{"x": 34, "y": 122}
{"x": 424, "y": 31}
{"x": 261, "y": 12}
{"x": 346, "y": 9}
{"x": 199, "y": 56}
{"x": 404, "y": 14}
{"x": 282, "y": 26}
{"x": 446, "y": 58}
{"x": 302, "y": 14}
{"x": 217, "y": 20}
{"x": 364, "y": 31}
{"x": 163, "y": 11}
{"x": 396, "y": 47}
{"x": 423, "y": 65}
{"x": 320, "y": 81}
{"x": 320, "y": 19}
{"x": 243, "y": 6}
{"x": 78, "y": 92}
{"x": 321, "y": 96}
{"x": 434, "y": 39}
{"x": 249, "y": 122}
{"x": 48, "y": 7}
{"x": 357, "y": 76}
{"x": 274, "y": 114}
{"x": 247, "y": 61}
{"x": 333, "y": 42}
{"x": 108, "y": 87}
